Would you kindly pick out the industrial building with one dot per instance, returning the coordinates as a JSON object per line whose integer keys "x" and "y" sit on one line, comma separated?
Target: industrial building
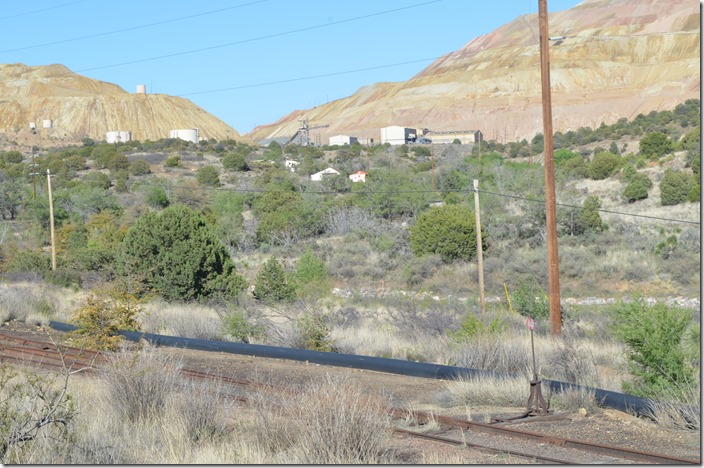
{"x": 187, "y": 134}
{"x": 466, "y": 137}
{"x": 396, "y": 135}
{"x": 342, "y": 140}
{"x": 119, "y": 136}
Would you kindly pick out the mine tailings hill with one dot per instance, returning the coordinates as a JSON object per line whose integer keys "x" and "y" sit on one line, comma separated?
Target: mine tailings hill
{"x": 82, "y": 107}
{"x": 618, "y": 59}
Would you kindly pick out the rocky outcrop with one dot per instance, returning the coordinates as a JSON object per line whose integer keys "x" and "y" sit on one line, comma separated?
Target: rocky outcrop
{"x": 82, "y": 107}
{"x": 618, "y": 59}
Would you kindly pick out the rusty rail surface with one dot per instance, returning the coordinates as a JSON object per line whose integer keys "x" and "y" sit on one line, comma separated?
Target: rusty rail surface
{"x": 618, "y": 452}
{"x": 462, "y": 443}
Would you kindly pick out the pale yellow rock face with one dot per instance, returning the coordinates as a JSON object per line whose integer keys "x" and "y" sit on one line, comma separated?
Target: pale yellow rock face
{"x": 82, "y": 107}
{"x": 619, "y": 58}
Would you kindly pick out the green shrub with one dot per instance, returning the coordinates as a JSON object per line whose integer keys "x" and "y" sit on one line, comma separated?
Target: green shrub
{"x": 311, "y": 275}
{"x": 272, "y": 284}
{"x": 589, "y": 218}
{"x": 656, "y": 144}
{"x": 234, "y": 162}
{"x": 604, "y": 165}
{"x": 675, "y": 187}
{"x": 695, "y": 193}
{"x": 448, "y": 231}
{"x": 97, "y": 179}
{"x": 208, "y": 176}
{"x": 177, "y": 253}
{"x": 157, "y": 197}
{"x": 173, "y": 161}
{"x": 12, "y": 157}
{"x": 471, "y": 326}
{"x": 530, "y": 300}
{"x": 637, "y": 189}
{"x": 313, "y": 333}
{"x": 139, "y": 167}
{"x": 116, "y": 161}
{"x": 654, "y": 337}
{"x": 238, "y": 325}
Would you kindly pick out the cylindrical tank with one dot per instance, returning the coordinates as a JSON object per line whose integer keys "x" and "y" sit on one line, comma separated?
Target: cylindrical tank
{"x": 187, "y": 134}
{"x": 119, "y": 136}
{"x": 141, "y": 89}
{"x": 46, "y": 123}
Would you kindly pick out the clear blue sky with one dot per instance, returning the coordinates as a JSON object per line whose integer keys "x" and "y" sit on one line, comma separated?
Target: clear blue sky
{"x": 188, "y": 48}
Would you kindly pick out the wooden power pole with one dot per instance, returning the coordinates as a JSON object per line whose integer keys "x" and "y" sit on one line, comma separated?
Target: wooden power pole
{"x": 480, "y": 260}
{"x": 51, "y": 222}
{"x": 550, "y": 209}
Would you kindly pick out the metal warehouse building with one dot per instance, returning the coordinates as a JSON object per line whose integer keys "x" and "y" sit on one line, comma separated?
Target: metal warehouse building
{"x": 396, "y": 135}
{"x": 465, "y": 136}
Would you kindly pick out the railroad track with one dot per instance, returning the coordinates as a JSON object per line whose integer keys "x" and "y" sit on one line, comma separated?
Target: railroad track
{"x": 51, "y": 356}
{"x": 609, "y": 454}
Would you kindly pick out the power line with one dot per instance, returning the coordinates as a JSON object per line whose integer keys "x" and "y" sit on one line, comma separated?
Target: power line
{"x": 535, "y": 200}
{"x": 407, "y": 192}
{"x": 39, "y": 11}
{"x": 117, "y": 31}
{"x": 289, "y": 80}
{"x": 269, "y": 36}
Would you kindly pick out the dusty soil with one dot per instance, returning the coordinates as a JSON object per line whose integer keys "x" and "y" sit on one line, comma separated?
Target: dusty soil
{"x": 608, "y": 427}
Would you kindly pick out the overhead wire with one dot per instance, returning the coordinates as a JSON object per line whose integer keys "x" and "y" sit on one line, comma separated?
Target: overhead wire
{"x": 133, "y": 28}
{"x": 41, "y": 10}
{"x": 260, "y": 38}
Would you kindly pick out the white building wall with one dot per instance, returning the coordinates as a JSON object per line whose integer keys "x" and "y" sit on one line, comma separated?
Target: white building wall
{"x": 342, "y": 140}
{"x": 396, "y": 135}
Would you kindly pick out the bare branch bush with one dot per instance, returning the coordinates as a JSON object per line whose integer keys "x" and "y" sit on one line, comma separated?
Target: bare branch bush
{"x": 35, "y": 410}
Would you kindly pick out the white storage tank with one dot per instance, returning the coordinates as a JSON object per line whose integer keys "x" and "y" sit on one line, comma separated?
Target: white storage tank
{"x": 46, "y": 123}
{"x": 187, "y": 134}
{"x": 141, "y": 89}
{"x": 119, "y": 136}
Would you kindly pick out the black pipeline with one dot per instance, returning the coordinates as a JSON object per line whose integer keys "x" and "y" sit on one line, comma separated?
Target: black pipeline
{"x": 608, "y": 399}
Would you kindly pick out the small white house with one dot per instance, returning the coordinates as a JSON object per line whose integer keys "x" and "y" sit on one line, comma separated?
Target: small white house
{"x": 324, "y": 173}
{"x": 359, "y": 176}
{"x": 291, "y": 164}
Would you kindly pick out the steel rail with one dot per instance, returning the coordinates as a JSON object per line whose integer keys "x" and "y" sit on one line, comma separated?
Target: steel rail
{"x": 461, "y": 443}
{"x": 618, "y": 452}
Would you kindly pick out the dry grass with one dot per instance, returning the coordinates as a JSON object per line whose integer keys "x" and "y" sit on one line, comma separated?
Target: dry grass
{"x": 681, "y": 410}
{"x": 185, "y": 320}
{"x": 37, "y": 303}
{"x": 333, "y": 421}
{"x": 483, "y": 391}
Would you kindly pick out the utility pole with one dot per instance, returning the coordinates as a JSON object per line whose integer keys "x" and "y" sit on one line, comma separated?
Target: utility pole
{"x": 550, "y": 209}
{"x": 33, "y": 128}
{"x": 51, "y": 222}
{"x": 432, "y": 163}
{"x": 480, "y": 259}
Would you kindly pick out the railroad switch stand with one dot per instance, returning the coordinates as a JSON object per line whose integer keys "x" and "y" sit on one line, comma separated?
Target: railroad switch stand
{"x": 536, "y": 402}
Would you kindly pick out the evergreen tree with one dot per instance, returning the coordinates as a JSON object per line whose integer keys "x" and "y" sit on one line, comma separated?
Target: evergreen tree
{"x": 272, "y": 284}
{"x": 177, "y": 254}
